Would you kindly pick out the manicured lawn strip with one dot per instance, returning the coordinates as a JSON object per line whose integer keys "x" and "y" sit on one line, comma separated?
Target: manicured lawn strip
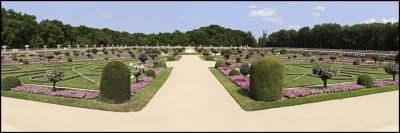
{"x": 136, "y": 103}
{"x": 249, "y": 104}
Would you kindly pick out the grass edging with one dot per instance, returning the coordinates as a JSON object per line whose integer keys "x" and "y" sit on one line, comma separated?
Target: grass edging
{"x": 136, "y": 103}
{"x": 249, "y": 104}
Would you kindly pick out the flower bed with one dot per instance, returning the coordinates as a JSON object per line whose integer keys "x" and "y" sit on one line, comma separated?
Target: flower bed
{"x": 62, "y": 93}
{"x": 144, "y": 81}
{"x": 239, "y": 80}
{"x": 380, "y": 83}
{"x": 302, "y": 92}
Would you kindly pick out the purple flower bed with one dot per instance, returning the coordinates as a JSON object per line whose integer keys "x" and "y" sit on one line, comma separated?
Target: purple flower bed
{"x": 144, "y": 81}
{"x": 302, "y": 92}
{"x": 62, "y": 93}
{"x": 239, "y": 80}
{"x": 380, "y": 83}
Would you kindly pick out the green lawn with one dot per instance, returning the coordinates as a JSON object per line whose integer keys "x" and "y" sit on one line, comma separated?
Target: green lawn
{"x": 136, "y": 103}
{"x": 249, "y": 104}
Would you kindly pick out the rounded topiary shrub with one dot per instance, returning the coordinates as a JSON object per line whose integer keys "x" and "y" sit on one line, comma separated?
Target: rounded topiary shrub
{"x": 115, "y": 83}
{"x": 365, "y": 80}
{"x": 266, "y": 79}
{"x": 234, "y": 72}
{"x": 220, "y": 63}
{"x": 171, "y": 57}
{"x": 357, "y": 62}
{"x": 10, "y": 82}
{"x": 210, "y": 58}
{"x": 161, "y": 64}
{"x": 151, "y": 73}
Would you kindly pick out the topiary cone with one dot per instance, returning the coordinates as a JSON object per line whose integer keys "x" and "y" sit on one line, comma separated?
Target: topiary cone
{"x": 115, "y": 83}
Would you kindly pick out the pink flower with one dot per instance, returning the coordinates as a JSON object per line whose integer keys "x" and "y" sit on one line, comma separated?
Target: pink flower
{"x": 62, "y": 93}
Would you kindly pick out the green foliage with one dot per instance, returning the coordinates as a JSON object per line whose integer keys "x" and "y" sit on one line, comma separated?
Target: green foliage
{"x": 151, "y": 73}
{"x": 160, "y": 64}
{"x": 283, "y": 51}
{"x": 210, "y": 58}
{"x": 234, "y": 72}
{"x": 67, "y": 53}
{"x": 171, "y": 57}
{"x": 227, "y": 55}
{"x": 266, "y": 79}
{"x": 321, "y": 59}
{"x": 312, "y": 60}
{"x": 25, "y": 62}
{"x": 333, "y": 58}
{"x": 115, "y": 83}
{"x": 220, "y": 63}
{"x": 365, "y": 80}
{"x": 357, "y": 62}
{"x": 9, "y": 82}
{"x": 54, "y": 75}
{"x": 69, "y": 59}
{"x": 94, "y": 51}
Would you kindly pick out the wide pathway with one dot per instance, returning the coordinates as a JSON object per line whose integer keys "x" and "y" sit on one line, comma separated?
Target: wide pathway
{"x": 192, "y": 99}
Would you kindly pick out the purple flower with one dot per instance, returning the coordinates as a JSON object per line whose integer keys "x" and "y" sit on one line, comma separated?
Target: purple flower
{"x": 380, "y": 83}
{"x": 144, "y": 81}
{"x": 62, "y": 93}
{"x": 239, "y": 80}
{"x": 302, "y": 92}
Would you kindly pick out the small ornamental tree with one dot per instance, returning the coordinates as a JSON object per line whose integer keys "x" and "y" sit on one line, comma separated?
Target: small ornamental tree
{"x": 76, "y": 53}
{"x": 89, "y": 55}
{"x": 397, "y": 58}
{"x": 238, "y": 59}
{"x": 143, "y": 57}
{"x": 57, "y": 53}
{"x": 245, "y": 69}
{"x": 380, "y": 59}
{"x": 375, "y": 58}
{"x": 333, "y": 58}
{"x": 325, "y": 73}
{"x": 49, "y": 56}
{"x": 54, "y": 75}
{"x": 139, "y": 69}
{"x": 41, "y": 55}
{"x": 392, "y": 69}
{"x": 105, "y": 52}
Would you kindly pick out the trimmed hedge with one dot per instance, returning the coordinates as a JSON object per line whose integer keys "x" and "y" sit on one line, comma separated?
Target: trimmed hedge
{"x": 234, "y": 72}
{"x": 161, "y": 64}
{"x": 220, "y": 63}
{"x": 365, "y": 80}
{"x": 10, "y": 82}
{"x": 115, "y": 83}
{"x": 151, "y": 73}
{"x": 266, "y": 79}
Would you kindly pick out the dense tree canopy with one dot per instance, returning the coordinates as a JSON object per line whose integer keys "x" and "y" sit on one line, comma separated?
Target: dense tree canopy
{"x": 375, "y": 36}
{"x": 18, "y": 29}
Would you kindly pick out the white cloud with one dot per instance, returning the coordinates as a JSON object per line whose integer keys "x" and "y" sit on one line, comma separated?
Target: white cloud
{"x": 294, "y": 27}
{"x": 316, "y": 14}
{"x": 391, "y": 20}
{"x": 275, "y": 20}
{"x": 105, "y": 15}
{"x": 382, "y": 20}
{"x": 253, "y": 6}
{"x": 319, "y": 8}
{"x": 266, "y": 12}
{"x": 370, "y": 20}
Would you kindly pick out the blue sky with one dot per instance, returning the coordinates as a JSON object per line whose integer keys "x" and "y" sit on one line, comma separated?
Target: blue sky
{"x": 154, "y": 17}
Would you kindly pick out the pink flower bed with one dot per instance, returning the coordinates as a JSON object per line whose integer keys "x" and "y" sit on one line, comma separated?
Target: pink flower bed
{"x": 380, "y": 83}
{"x": 62, "y": 93}
{"x": 239, "y": 80}
{"x": 144, "y": 81}
{"x": 302, "y": 92}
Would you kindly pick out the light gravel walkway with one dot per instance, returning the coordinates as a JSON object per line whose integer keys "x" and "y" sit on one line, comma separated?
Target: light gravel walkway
{"x": 192, "y": 99}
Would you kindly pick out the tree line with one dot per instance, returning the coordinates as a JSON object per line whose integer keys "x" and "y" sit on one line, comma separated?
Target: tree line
{"x": 19, "y": 29}
{"x": 374, "y": 36}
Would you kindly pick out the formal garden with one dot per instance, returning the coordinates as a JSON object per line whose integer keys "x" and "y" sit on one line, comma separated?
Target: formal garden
{"x": 105, "y": 81}
{"x": 261, "y": 79}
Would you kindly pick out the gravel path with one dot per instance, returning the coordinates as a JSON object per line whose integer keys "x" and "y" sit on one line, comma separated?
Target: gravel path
{"x": 192, "y": 99}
